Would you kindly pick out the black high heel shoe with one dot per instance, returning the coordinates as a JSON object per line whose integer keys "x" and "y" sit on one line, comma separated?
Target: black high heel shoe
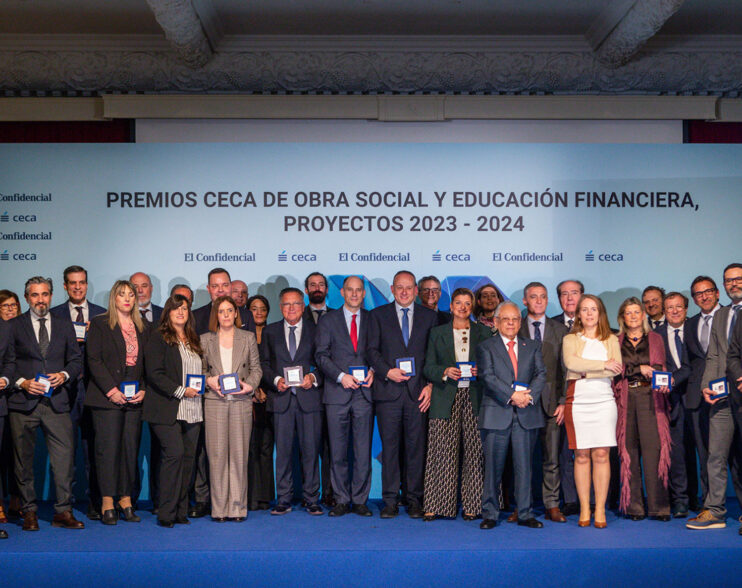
{"x": 109, "y": 517}
{"x": 129, "y": 515}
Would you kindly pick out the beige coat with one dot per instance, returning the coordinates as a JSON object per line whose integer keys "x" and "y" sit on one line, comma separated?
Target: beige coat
{"x": 572, "y": 346}
{"x": 245, "y": 361}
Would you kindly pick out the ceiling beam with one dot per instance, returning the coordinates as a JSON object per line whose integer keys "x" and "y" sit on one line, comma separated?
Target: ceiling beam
{"x": 183, "y": 28}
{"x": 640, "y": 21}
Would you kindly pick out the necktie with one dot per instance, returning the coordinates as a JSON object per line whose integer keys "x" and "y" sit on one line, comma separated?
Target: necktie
{"x": 292, "y": 342}
{"x": 43, "y": 337}
{"x": 316, "y": 314}
{"x": 679, "y": 346}
{"x": 656, "y": 324}
{"x": 513, "y": 358}
{"x": 145, "y": 313}
{"x": 735, "y": 313}
{"x": 80, "y": 317}
{"x": 354, "y": 332}
{"x": 537, "y": 331}
{"x": 406, "y": 326}
{"x": 706, "y": 332}
{"x": 570, "y": 322}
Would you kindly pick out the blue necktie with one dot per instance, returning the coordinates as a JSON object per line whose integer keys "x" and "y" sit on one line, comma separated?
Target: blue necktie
{"x": 292, "y": 342}
{"x": 735, "y": 312}
{"x": 537, "y": 331}
{"x": 405, "y": 326}
{"x": 679, "y": 346}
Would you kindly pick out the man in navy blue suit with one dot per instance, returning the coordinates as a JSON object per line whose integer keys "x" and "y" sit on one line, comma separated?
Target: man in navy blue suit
{"x": 672, "y": 331}
{"x": 79, "y": 310}
{"x": 290, "y": 343}
{"x": 514, "y": 377}
{"x": 342, "y": 343}
{"x": 398, "y": 340}
{"x": 43, "y": 344}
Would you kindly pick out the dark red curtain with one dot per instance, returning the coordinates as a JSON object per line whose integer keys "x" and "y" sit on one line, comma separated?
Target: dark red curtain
{"x": 115, "y": 131}
{"x": 699, "y": 131}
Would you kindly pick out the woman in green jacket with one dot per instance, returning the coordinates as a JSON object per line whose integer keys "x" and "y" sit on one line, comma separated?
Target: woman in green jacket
{"x": 454, "y": 407}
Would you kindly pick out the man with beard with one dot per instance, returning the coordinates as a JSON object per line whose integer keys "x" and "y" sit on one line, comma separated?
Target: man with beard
{"x": 429, "y": 289}
{"x": 43, "y": 345}
{"x": 315, "y": 287}
{"x": 143, "y": 286}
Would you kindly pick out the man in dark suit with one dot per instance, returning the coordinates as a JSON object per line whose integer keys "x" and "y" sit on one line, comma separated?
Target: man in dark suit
{"x": 430, "y": 291}
{"x": 79, "y": 311}
{"x": 315, "y": 287}
{"x": 342, "y": 343}
{"x": 239, "y": 293}
{"x": 672, "y": 332}
{"x": 219, "y": 283}
{"x": 4, "y": 383}
{"x": 725, "y": 423}
{"x": 696, "y": 338}
{"x": 182, "y": 290}
{"x": 43, "y": 344}
{"x": 734, "y": 376}
{"x": 569, "y": 293}
{"x": 653, "y": 298}
{"x": 549, "y": 334}
{"x": 399, "y": 331}
{"x": 290, "y": 343}
{"x": 512, "y": 370}
{"x": 143, "y": 286}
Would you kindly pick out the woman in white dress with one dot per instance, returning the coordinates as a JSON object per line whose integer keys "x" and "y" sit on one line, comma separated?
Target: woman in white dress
{"x": 592, "y": 357}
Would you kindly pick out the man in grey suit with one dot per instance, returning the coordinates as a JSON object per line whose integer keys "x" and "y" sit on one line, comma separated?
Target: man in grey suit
{"x": 342, "y": 338}
{"x": 734, "y": 377}
{"x": 723, "y": 427}
{"x": 41, "y": 344}
{"x": 549, "y": 333}
{"x": 514, "y": 376}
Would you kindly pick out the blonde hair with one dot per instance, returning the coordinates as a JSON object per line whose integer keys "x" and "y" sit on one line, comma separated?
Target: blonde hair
{"x": 112, "y": 313}
{"x": 632, "y": 301}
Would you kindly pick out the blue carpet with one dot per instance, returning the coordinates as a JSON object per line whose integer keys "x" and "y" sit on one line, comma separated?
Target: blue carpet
{"x": 299, "y": 550}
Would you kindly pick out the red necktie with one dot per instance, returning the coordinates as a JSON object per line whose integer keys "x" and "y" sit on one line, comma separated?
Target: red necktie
{"x": 354, "y": 332}
{"x": 513, "y": 358}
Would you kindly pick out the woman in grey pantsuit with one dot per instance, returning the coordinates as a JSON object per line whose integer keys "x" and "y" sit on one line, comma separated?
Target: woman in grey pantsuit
{"x": 228, "y": 417}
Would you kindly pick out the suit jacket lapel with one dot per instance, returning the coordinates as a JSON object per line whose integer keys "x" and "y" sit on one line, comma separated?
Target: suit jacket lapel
{"x": 28, "y": 326}
{"x": 118, "y": 339}
{"x": 503, "y": 351}
{"x": 238, "y": 351}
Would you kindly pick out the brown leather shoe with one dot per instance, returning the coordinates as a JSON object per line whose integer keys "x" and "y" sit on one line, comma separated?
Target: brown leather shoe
{"x": 3, "y": 516}
{"x": 66, "y": 520}
{"x": 513, "y": 518}
{"x": 30, "y": 521}
{"x": 555, "y": 515}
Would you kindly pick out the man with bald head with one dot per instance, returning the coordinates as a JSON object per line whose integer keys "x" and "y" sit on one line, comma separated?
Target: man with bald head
{"x": 143, "y": 286}
{"x": 239, "y": 293}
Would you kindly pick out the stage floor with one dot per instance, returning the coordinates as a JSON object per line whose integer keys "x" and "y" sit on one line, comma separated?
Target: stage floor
{"x": 300, "y": 550}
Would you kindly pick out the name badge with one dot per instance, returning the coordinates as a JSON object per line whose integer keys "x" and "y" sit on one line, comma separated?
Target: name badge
{"x": 466, "y": 371}
{"x": 293, "y": 375}
{"x": 229, "y": 383}
{"x": 359, "y": 372}
{"x": 129, "y": 389}
{"x": 196, "y": 382}
{"x": 719, "y": 388}
{"x": 407, "y": 365}
{"x": 43, "y": 379}
{"x": 660, "y": 379}
{"x": 81, "y": 331}
{"x": 519, "y": 387}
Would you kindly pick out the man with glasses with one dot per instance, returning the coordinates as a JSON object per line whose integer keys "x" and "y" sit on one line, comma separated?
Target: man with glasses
{"x": 287, "y": 351}
{"x": 724, "y": 419}
{"x": 429, "y": 290}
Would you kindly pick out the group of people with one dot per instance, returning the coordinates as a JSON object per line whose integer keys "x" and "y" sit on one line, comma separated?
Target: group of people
{"x": 461, "y": 399}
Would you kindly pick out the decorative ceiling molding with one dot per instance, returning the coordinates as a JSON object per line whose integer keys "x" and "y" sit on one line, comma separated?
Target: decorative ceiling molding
{"x": 183, "y": 29}
{"x": 474, "y": 65}
{"x": 612, "y": 14}
{"x": 641, "y": 22}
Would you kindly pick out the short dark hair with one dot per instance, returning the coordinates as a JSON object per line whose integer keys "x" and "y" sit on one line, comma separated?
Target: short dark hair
{"x": 675, "y": 294}
{"x": 218, "y": 270}
{"x": 408, "y": 272}
{"x": 74, "y": 269}
{"x": 533, "y": 285}
{"x": 177, "y": 286}
{"x": 38, "y": 280}
{"x": 262, "y": 298}
{"x": 654, "y": 289}
{"x": 290, "y": 290}
{"x": 698, "y": 279}
{"x": 732, "y": 266}
{"x": 306, "y": 280}
{"x": 560, "y": 284}
{"x": 427, "y": 279}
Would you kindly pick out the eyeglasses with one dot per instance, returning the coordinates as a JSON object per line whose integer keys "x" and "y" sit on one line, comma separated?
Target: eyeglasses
{"x": 430, "y": 290}
{"x": 702, "y": 293}
{"x": 9, "y": 306}
{"x": 737, "y": 280}
{"x": 291, "y": 304}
